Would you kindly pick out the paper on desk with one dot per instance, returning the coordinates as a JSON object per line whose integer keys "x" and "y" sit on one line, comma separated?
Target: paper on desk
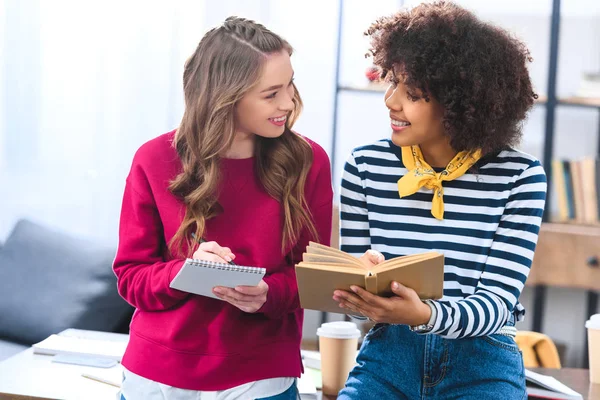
{"x": 306, "y": 386}
{"x": 554, "y": 387}
{"x": 111, "y": 376}
{"x": 56, "y": 344}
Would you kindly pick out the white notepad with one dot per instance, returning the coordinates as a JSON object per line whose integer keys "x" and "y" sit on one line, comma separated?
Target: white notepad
{"x": 201, "y": 276}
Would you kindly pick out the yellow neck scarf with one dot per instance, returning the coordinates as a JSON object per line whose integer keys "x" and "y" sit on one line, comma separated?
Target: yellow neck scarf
{"x": 421, "y": 174}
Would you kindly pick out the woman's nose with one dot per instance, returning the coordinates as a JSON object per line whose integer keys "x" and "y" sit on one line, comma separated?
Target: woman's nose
{"x": 392, "y": 99}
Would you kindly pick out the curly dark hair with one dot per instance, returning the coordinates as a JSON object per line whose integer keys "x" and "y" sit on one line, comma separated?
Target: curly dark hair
{"x": 476, "y": 71}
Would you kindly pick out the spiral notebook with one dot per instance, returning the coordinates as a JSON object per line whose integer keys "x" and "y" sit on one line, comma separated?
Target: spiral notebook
{"x": 201, "y": 276}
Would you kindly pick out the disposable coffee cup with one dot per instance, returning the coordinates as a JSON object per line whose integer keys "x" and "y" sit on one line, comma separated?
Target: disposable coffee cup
{"x": 338, "y": 342}
{"x": 593, "y": 332}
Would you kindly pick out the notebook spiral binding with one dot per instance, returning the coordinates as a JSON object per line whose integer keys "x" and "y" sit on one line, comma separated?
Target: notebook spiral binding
{"x": 226, "y": 267}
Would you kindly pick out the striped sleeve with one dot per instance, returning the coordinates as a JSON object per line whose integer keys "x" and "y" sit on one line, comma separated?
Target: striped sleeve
{"x": 507, "y": 265}
{"x": 354, "y": 230}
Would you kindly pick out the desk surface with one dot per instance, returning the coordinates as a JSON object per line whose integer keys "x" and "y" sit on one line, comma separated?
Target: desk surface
{"x": 29, "y": 376}
{"x": 33, "y": 376}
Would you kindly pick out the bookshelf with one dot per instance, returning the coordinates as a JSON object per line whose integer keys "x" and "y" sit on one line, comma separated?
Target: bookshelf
{"x": 566, "y": 252}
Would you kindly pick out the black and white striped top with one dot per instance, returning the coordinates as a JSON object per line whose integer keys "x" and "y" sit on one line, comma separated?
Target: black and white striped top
{"x": 492, "y": 216}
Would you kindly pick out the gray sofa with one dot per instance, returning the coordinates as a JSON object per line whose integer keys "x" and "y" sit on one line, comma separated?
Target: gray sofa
{"x": 51, "y": 281}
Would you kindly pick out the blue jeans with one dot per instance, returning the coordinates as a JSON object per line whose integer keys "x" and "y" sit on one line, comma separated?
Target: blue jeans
{"x": 395, "y": 363}
{"x": 290, "y": 394}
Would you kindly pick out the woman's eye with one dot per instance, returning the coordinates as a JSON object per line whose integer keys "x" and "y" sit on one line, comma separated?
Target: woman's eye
{"x": 272, "y": 95}
{"x": 412, "y": 97}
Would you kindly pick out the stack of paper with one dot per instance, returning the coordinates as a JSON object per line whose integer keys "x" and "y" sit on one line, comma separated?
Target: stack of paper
{"x": 58, "y": 344}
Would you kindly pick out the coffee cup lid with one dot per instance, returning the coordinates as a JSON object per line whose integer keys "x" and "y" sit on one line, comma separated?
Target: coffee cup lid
{"x": 593, "y": 322}
{"x": 339, "y": 330}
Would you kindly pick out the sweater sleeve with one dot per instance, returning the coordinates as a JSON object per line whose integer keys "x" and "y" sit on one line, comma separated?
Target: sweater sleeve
{"x": 507, "y": 266}
{"x": 355, "y": 236}
{"x": 282, "y": 297}
{"x": 143, "y": 276}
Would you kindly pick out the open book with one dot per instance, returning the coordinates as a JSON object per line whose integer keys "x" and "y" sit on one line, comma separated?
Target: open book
{"x": 324, "y": 269}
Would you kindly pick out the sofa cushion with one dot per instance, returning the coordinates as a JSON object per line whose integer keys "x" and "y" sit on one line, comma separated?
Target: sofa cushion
{"x": 9, "y": 349}
{"x": 51, "y": 281}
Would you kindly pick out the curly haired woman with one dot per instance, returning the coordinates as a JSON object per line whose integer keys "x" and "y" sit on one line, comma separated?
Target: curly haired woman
{"x": 237, "y": 176}
{"x": 449, "y": 180}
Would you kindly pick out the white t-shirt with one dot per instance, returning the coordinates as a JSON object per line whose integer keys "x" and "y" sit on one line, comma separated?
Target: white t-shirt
{"x": 135, "y": 387}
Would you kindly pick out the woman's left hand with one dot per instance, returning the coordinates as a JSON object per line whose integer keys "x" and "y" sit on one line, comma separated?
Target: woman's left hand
{"x": 404, "y": 308}
{"x": 247, "y": 298}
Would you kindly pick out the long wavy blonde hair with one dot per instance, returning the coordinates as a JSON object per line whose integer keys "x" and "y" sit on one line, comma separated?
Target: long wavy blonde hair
{"x": 227, "y": 63}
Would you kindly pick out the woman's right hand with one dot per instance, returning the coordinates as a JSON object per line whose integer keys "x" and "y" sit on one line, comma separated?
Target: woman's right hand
{"x": 211, "y": 251}
{"x": 371, "y": 258}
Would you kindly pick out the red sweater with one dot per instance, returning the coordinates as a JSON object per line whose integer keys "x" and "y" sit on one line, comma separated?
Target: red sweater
{"x": 200, "y": 343}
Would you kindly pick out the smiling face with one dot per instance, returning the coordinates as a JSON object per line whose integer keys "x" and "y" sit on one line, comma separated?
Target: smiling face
{"x": 414, "y": 121}
{"x": 264, "y": 110}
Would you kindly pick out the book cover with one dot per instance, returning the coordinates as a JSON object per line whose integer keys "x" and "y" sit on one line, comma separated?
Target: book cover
{"x": 590, "y": 195}
{"x": 569, "y": 188}
{"x": 324, "y": 269}
{"x": 560, "y": 189}
{"x": 578, "y": 183}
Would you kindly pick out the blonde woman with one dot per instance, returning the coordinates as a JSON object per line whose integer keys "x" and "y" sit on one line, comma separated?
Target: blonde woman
{"x": 236, "y": 176}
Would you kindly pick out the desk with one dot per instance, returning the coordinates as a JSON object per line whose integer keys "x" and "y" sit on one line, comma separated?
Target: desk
{"x": 33, "y": 376}
{"x": 28, "y": 376}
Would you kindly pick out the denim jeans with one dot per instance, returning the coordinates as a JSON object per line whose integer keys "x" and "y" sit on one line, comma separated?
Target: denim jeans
{"x": 396, "y": 363}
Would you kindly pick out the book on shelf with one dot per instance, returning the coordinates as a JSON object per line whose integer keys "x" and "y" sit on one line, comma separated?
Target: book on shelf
{"x": 324, "y": 269}
{"x": 576, "y": 185}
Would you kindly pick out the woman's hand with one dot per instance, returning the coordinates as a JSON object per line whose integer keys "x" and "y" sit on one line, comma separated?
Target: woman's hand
{"x": 211, "y": 251}
{"x": 371, "y": 258}
{"x": 247, "y": 298}
{"x": 404, "y": 308}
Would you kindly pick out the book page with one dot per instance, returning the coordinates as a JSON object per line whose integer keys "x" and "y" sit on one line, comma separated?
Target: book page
{"x": 317, "y": 248}
{"x": 398, "y": 262}
{"x": 331, "y": 260}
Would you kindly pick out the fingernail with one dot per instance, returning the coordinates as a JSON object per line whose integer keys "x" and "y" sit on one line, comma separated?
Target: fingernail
{"x": 227, "y": 258}
{"x": 394, "y": 285}
{"x": 354, "y": 289}
{"x": 217, "y": 291}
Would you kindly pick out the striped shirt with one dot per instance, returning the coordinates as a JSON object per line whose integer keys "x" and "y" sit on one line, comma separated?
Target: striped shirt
{"x": 492, "y": 216}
